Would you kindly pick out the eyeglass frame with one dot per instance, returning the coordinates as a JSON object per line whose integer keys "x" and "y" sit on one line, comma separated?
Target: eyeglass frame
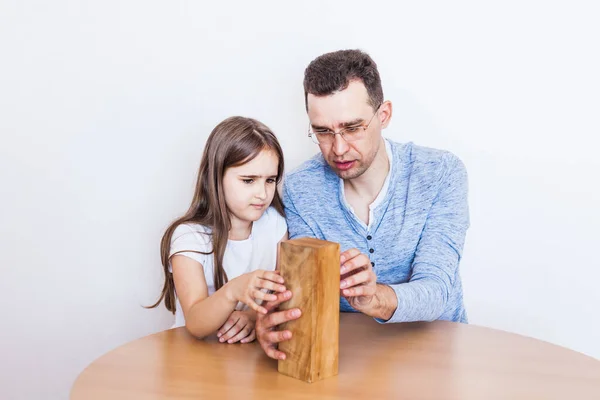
{"x": 341, "y": 131}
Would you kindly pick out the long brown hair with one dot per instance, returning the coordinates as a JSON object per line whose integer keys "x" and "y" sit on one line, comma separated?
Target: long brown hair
{"x": 233, "y": 142}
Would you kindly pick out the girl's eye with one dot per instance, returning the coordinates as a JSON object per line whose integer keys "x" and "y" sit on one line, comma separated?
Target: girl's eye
{"x": 247, "y": 181}
{"x": 271, "y": 180}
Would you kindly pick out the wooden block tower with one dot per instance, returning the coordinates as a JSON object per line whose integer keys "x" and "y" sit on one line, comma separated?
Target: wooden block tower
{"x": 311, "y": 270}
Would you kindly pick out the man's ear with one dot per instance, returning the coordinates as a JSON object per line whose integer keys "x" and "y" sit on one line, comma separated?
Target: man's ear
{"x": 385, "y": 113}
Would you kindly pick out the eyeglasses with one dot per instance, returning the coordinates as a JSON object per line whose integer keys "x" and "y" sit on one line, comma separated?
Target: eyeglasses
{"x": 349, "y": 133}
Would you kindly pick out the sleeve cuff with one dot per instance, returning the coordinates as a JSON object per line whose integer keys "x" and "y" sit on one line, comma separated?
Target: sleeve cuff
{"x": 398, "y": 313}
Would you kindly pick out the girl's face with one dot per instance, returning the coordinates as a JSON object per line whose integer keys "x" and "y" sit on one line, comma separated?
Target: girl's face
{"x": 249, "y": 188}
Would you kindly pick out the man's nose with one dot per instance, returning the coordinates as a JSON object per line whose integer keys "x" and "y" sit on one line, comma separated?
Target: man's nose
{"x": 340, "y": 146}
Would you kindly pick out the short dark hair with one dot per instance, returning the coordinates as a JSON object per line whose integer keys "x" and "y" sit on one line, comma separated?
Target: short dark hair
{"x": 332, "y": 72}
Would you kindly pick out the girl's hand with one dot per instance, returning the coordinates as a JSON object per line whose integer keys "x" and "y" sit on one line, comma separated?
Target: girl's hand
{"x": 238, "y": 328}
{"x": 249, "y": 287}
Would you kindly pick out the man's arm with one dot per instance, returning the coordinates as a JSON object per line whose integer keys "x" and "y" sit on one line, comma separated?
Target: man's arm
{"x": 434, "y": 268}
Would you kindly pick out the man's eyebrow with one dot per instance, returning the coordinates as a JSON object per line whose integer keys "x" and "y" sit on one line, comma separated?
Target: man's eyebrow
{"x": 352, "y": 123}
{"x": 355, "y": 121}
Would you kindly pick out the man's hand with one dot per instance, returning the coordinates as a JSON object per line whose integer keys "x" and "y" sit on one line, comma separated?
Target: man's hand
{"x": 239, "y": 327}
{"x": 358, "y": 280}
{"x": 267, "y": 335}
{"x": 358, "y": 284}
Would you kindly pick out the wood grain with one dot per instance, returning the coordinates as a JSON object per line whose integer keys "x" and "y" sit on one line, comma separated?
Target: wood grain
{"x": 311, "y": 270}
{"x": 418, "y": 361}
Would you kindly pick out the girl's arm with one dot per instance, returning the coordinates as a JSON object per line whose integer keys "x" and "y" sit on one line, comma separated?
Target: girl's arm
{"x": 205, "y": 314}
{"x": 232, "y": 328}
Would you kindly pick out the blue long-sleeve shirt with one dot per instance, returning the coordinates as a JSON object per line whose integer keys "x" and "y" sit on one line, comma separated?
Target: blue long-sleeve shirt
{"x": 416, "y": 229}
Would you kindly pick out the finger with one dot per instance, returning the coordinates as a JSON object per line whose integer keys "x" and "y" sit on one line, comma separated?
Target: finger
{"x": 275, "y": 354}
{"x": 241, "y": 334}
{"x": 271, "y": 276}
{"x": 359, "y": 278}
{"x": 281, "y": 297}
{"x": 259, "y": 294}
{"x": 227, "y": 325}
{"x": 238, "y": 327}
{"x": 269, "y": 339}
{"x": 354, "y": 263}
{"x": 274, "y": 337}
{"x": 267, "y": 284}
{"x": 250, "y": 338}
{"x": 279, "y": 317}
{"x": 348, "y": 254}
{"x": 363, "y": 290}
{"x": 252, "y": 304}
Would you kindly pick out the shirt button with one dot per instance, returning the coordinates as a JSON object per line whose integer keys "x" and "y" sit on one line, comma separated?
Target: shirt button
{"x": 371, "y": 251}
{"x": 369, "y": 237}
{"x": 372, "y": 264}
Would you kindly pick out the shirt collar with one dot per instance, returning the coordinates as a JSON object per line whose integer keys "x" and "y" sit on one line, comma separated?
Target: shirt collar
{"x": 382, "y": 193}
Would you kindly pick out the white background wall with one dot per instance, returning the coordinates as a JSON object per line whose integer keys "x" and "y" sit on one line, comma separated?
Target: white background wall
{"x": 105, "y": 107}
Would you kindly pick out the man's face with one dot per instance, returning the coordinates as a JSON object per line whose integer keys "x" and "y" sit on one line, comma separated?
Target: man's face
{"x": 348, "y": 107}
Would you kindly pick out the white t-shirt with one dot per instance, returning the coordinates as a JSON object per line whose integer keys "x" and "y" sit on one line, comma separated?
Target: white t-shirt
{"x": 259, "y": 251}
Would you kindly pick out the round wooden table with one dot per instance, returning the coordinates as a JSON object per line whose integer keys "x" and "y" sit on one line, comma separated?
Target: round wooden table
{"x": 437, "y": 360}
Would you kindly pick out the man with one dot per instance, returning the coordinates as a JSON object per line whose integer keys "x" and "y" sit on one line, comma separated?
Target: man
{"x": 399, "y": 211}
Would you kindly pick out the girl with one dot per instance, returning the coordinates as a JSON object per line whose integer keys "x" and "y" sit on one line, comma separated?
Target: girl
{"x": 219, "y": 258}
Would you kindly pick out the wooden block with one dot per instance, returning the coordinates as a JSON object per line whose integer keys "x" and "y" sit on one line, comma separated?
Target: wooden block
{"x": 311, "y": 269}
